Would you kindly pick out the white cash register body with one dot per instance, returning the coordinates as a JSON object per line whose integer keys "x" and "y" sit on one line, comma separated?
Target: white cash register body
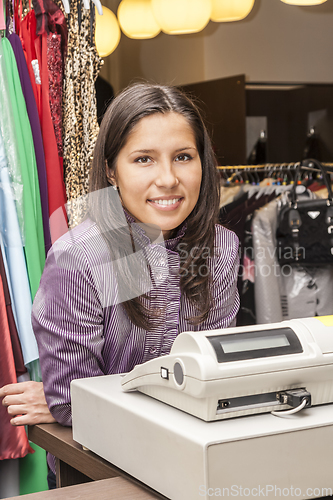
{"x": 217, "y": 375}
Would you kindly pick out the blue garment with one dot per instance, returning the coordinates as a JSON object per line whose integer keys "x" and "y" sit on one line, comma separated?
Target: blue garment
{"x": 13, "y": 255}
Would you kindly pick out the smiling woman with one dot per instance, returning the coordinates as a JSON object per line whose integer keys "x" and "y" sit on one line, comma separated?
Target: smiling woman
{"x": 148, "y": 262}
{"x": 155, "y": 145}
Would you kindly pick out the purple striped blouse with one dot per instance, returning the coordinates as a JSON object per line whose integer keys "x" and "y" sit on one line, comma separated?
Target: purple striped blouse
{"x": 82, "y": 329}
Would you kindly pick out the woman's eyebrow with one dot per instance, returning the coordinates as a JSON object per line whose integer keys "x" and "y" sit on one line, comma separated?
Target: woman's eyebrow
{"x": 148, "y": 151}
{"x": 186, "y": 147}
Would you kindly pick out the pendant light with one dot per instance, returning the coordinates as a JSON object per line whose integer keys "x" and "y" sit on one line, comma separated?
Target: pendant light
{"x": 137, "y": 20}
{"x": 107, "y": 33}
{"x": 304, "y": 2}
{"x": 177, "y": 17}
{"x": 230, "y": 10}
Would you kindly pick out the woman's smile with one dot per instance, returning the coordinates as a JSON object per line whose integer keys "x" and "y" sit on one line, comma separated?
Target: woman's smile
{"x": 166, "y": 203}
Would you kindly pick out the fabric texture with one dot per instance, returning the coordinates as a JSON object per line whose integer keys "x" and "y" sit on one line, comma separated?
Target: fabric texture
{"x": 55, "y": 70}
{"x": 36, "y": 132}
{"x": 81, "y": 328}
{"x": 52, "y": 22}
{"x": 303, "y": 233}
{"x": 14, "y": 261}
{"x": 35, "y": 50}
{"x": 16, "y": 346}
{"x": 34, "y": 247}
{"x": 13, "y": 440}
{"x": 285, "y": 292}
{"x": 80, "y": 127}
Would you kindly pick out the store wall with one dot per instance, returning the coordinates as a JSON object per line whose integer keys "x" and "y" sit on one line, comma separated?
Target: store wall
{"x": 164, "y": 59}
{"x": 275, "y": 43}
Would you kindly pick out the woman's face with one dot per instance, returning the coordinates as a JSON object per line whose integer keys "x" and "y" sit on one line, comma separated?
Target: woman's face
{"x": 158, "y": 171}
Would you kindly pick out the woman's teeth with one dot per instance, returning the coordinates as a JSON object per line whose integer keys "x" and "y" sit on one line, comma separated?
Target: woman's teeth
{"x": 166, "y": 202}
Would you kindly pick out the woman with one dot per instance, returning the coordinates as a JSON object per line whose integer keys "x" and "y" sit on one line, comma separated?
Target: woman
{"x": 147, "y": 263}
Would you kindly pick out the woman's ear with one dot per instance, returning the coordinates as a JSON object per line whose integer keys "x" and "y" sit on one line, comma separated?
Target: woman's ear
{"x": 110, "y": 175}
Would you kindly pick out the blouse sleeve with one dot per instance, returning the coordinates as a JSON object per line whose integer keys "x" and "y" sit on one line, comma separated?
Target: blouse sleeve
{"x": 67, "y": 319}
{"x": 225, "y": 265}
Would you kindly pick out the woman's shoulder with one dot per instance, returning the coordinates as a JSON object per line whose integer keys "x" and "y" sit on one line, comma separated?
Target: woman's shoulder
{"x": 226, "y": 248}
{"x": 225, "y": 237}
{"x": 85, "y": 238}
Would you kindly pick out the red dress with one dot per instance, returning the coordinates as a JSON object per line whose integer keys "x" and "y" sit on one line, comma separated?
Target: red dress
{"x": 13, "y": 440}
{"x": 35, "y": 49}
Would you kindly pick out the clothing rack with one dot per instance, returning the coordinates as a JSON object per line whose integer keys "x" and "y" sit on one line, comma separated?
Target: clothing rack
{"x": 270, "y": 169}
{"x": 273, "y": 166}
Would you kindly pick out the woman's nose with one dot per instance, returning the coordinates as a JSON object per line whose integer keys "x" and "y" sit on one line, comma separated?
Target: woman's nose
{"x": 166, "y": 176}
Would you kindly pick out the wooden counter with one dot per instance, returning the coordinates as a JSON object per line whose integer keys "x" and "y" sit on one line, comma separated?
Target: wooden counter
{"x": 75, "y": 465}
{"x": 116, "y": 488}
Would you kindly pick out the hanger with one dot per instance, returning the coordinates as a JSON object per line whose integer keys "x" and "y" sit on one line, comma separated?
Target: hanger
{"x": 65, "y": 3}
{"x": 250, "y": 177}
{"x": 86, "y": 4}
{"x": 223, "y": 176}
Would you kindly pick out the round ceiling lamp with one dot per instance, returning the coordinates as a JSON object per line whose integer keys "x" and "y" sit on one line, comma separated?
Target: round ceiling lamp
{"x": 107, "y": 33}
{"x": 230, "y": 10}
{"x": 137, "y": 20}
{"x": 304, "y": 2}
{"x": 178, "y": 17}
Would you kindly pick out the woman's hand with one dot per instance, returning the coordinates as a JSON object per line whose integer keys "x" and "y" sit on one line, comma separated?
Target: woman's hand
{"x": 25, "y": 402}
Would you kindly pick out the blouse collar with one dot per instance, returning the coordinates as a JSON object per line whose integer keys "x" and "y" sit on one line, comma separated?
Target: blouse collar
{"x": 169, "y": 244}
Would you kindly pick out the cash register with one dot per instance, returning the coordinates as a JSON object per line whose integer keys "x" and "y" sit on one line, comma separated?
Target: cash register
{"x": 240, "y": 371}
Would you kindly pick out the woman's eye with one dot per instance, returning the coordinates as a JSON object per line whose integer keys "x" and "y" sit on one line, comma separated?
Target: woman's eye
{"x": 184, "y": 157}
{"x": 143, "y": 159}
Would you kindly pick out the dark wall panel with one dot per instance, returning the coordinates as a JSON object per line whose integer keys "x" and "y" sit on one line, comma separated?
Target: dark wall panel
{"x": 224, "y": 107}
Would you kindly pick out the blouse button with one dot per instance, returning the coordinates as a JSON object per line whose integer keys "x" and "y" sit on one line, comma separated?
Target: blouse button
{"x": 152, "y": 350}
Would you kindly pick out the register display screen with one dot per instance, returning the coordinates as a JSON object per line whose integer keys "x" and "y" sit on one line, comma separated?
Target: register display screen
{"x": 255, "y": 344}
{"x": 240, "y": 344}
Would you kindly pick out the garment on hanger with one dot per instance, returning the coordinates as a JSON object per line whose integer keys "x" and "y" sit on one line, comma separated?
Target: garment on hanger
{"x": 80, "y": 127}
{"x": 35, "y": 50}
{"x": 55, "y": 71}
{"x": 51, "y": 21}
{"x": 14, "y": 260}
{"x": 237, "y": 216}
{"x": 16, "y": 346}
{"x": 9, "y": 143}
{"x": 13, "y": 440}
{"x": 308, "y": 291}
{"x": 267, "y": 279}
{"x": 286, "y": 292}
{"x": 36, "y": 132}
{"x": 34, "y": 248}
{"x": 230, "y": 194}
{"x": 269, "y": 292}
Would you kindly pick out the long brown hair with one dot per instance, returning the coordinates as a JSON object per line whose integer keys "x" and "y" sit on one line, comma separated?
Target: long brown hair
{"x": 125, "y": 111}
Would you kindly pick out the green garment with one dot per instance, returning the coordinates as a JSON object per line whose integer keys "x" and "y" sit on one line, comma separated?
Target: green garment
{"x": 33, "y": 471}
{"x": 21, "y": 158}
{"x": 9, "y": 139}
{"x": 33, "y": 224}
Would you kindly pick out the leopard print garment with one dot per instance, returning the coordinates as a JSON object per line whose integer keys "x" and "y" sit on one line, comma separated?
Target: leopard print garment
{"x": 80, "y": 127}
